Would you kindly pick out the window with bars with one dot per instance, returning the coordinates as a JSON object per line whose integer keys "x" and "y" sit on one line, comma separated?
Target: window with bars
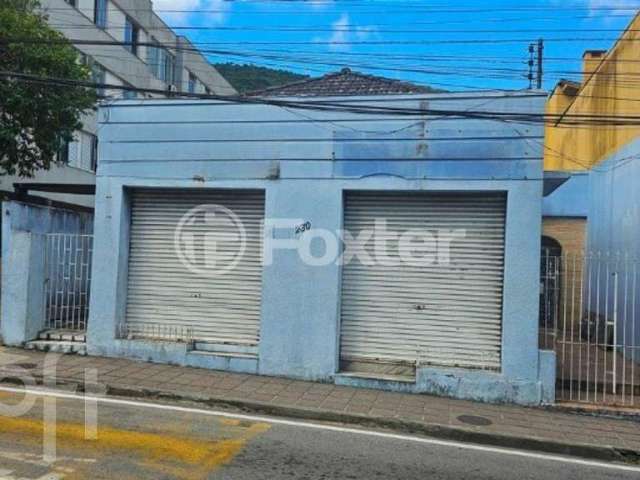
{"x": 82, "y": 152}
{"x": 168, "y": 67}
{"x": 131, "y": 36}
{"x": 193, "y": 81}
{"x": 63, "y": 153}
{"x": 161, "y": 62}
{"x": 94, "y": 153}
{"x": 153, "y": 57}
{"x": 98, "y": 75}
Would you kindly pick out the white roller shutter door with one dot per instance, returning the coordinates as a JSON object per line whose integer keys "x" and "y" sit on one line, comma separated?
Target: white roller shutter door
{"x": 165, "y": 295}
{"x": 438, "y": 312}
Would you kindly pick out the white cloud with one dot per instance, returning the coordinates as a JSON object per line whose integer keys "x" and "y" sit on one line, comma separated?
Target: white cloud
{"x": 181, "y": 10}
{"x": 616, "y": 6}
{"x": 343, "y": 32}
{"x": 319, "y": 4}
{"x": 339, "y": 34}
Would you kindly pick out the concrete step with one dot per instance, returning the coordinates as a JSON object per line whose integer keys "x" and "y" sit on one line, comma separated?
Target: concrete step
{"x": 57, "y": 346}
{"x": 63, "y": 336}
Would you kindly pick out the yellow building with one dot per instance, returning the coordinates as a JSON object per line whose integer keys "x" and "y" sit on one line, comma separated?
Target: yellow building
{"x": 610, "y": 88}
{"x": 585, "y": 125}
{"x": 590, "y": 124}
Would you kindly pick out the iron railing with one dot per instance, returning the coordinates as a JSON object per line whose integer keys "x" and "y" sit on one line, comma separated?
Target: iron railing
{"x": 67, "y": 282}
{"x": 590, "y": 315}
{"x": 157, "y": 332}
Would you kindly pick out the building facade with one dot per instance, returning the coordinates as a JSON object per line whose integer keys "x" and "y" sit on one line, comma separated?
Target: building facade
{"x": 174, "y": 65}
{"x": 604, "y": 149}
{"x": 461, "y": 322}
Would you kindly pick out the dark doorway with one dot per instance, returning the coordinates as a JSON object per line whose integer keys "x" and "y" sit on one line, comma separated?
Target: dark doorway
{"x": 550, "y": 263}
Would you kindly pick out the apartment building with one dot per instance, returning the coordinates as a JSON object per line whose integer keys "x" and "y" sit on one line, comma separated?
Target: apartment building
{"x": 153, "y": 57}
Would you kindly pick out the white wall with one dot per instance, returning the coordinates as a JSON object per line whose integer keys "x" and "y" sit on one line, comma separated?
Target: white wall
{"x": 86, "y": 7}
{"x": 115, "y": 22}
{"x": 111, "y": 79}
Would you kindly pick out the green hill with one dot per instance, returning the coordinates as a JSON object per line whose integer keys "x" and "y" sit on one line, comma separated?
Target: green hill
{"x": 247, "y": 78}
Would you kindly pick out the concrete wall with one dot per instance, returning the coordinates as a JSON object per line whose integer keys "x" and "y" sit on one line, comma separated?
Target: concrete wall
{"x": 77, "y": 23}
{"x": 305, "y": 161}
{"x": 24, "y": 228}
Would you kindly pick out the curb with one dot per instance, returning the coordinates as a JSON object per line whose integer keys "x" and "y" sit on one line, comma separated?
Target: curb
{"x": 441, "y": 432}
{"x": 618, "y": 413}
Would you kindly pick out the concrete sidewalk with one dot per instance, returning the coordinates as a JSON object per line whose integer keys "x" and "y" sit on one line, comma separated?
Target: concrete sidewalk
{"x": 539, "y": 429}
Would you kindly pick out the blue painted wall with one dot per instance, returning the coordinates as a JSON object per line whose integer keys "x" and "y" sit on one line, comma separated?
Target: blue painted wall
{"x": 571, "y": 199}
{"x": 305, "y": 161}
{"x": 614, "y": 235}
{"x": 24, "y": 227}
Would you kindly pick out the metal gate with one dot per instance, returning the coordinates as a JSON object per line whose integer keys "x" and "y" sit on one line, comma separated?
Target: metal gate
{"x": 590, "y": 315}
{"x": 440, "y": 311}
{"x": 67, "y": 282}
{"x": 170, "y": 298}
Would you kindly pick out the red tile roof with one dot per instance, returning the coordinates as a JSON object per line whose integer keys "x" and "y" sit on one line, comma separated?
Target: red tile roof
{"x": 344, "y": 82}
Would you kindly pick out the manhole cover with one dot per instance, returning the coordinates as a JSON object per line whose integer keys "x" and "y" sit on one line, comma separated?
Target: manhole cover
{"x": 25, "y": 366}
{"x": 475, "y": 420}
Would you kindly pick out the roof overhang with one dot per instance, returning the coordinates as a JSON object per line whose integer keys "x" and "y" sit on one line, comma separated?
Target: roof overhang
{"x": 68, "y": 188}
{"x": 552, "y": 181}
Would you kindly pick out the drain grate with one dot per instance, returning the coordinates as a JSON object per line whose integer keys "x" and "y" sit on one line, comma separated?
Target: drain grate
{"x": 475, "y": 420}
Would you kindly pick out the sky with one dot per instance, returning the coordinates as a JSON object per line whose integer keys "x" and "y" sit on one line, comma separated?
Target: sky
{"x": 457, "y": 45}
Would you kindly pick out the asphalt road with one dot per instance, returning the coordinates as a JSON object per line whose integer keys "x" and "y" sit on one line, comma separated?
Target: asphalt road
{"x": 160, "y": 442}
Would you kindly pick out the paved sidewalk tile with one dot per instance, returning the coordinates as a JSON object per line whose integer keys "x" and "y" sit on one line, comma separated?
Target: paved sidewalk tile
{"x": 537, "y": 423}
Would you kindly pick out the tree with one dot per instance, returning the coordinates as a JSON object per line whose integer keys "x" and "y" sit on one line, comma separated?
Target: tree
{"x": 248, "y": 78}
{"x": 37, "y": 118}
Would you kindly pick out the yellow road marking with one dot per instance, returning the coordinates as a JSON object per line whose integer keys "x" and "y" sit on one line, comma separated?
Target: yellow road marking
{"x": 179, "y": 456}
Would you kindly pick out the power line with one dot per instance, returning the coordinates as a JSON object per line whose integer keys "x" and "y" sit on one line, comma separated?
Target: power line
{"x": 496, "y": 41}
{"x": 408, "y": 9}
{"x": 449, "y": 58}
{"x": 465, "y": 71}
{"x": 354, "y": 29}
{"x": 591, "y": 16}
{"x": 499, "y": 73}
{"x": 345, "y": 106}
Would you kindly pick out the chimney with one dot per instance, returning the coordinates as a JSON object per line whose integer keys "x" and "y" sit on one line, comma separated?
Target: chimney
{"x": 590, "y": 61}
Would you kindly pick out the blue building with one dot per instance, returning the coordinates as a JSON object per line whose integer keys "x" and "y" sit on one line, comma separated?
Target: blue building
{"x": 382, "y": 241}
{"x": 614, "y": 231}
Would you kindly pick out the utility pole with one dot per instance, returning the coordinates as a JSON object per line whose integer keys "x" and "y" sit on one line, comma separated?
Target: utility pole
{"x": 540, "y": 57}
{"x": 530, "y": 75}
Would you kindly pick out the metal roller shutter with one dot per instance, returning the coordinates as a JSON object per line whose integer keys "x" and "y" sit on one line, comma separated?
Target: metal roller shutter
{"x": 165, "y": 296}
{"x": 434, "y": 313}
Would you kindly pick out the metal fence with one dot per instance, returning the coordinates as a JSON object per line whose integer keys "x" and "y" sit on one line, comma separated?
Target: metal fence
{"x": 67, "y": 282}
{"x": 590, "y": 315}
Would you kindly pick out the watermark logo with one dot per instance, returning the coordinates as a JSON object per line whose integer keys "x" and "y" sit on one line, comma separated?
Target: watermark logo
{"x": 210, "y": 240}
{"x": 32, "y": 393}
{"x": 378, "y": 245}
